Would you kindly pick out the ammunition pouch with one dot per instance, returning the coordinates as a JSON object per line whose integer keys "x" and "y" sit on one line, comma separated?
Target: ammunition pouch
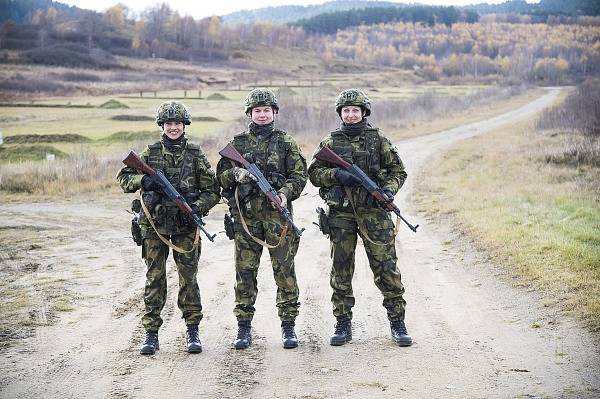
{"x": 323, "y": 221}
{"x": 334, "y": 196}
{"x": 228, "y": 223}
{"x": 136, "y": 231}
{"x": 277, "y": 180}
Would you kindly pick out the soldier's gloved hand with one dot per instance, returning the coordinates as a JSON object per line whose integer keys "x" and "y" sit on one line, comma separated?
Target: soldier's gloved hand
{"x": 283, "y": 199}
{"x": 150, "y": 183}
{"x": 241, "y": 175}
{"x": 389, "y": 193}
{"x": 188, "y": 219}
{"x": 346, "y": 178}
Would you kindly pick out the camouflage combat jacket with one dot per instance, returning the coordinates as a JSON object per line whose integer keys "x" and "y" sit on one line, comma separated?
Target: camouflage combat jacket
{"x": 188, "y": 170}
{"x": 278, "y": 157}
{"x": 370, "y": 151}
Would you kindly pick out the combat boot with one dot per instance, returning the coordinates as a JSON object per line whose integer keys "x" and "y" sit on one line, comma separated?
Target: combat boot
{"x": 288, "y": 335}
{"x": 399, "y": 334}
{"x": 150, "y": 345}
{"x": 192, "y": 339}
{"x": 244, "y": 338}
{"x": 343, "y": 332}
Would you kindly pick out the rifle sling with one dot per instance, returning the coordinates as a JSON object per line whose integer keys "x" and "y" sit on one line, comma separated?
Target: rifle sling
{"x": 163, "y": 239}
{"x": 258, "y": 240}
{"x": 362, "y": 228}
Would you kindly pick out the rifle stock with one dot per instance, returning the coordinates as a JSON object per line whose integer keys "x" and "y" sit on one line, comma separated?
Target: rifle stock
{"x": 327, "y": 155}
{"x": 134, "y": 161}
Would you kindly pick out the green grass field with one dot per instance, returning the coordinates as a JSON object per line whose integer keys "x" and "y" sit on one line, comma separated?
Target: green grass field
{"x": 539, "y": 221}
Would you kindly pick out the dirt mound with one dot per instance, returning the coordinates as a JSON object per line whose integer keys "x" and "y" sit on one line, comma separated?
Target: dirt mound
{"x": 113, "y": 104}
{"x": 45, "y": 138}
{"x": 216, "y": 96}
{"x": 132, "y": 136}
{"x": 24, "y": 153}
{"x": 132, "y": 118}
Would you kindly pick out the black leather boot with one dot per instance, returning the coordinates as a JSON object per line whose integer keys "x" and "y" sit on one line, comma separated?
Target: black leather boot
{"x": 288, "y": 335}
{"x": 244, "y": 337}
{"x": 343, "y": 332}
{"x": 399, "y": 334}
{"x": 192, "y": 339}
{"x": 150, "y": 345}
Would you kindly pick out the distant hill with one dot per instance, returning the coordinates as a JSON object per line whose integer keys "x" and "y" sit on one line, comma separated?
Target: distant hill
{"x": 544, "y": 7}
{"x": 285, "y": 14}
{"x": 21, "y": 11}
{"x": 289, "y": 14}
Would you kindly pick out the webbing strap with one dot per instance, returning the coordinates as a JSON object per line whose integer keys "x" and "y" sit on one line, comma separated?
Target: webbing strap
{"x": 163, "y": 239}
{"x": 364, "y": 229}
{"x": 258, "y": 240}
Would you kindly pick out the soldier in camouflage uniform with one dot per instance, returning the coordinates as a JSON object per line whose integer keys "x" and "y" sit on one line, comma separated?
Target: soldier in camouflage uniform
{"x": 353, "y": 211}
{"x": 255, "y": 222}
{"x": 186, "y": 167}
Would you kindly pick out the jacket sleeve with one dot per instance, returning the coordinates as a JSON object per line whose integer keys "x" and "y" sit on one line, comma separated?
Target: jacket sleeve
{"x": 208, "y": 187}
{"x": 225, "y": 173}
{"x": 130, "y": 179}
{"x": 392, "y": 174}
{"x": 320, "y": 173}
{"x": 295, "y": 165}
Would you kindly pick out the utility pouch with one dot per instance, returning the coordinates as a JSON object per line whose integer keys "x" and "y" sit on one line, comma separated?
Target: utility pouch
{"x": 136, "y": 231}
{"x": 323, "y": 221}
{"x": 334, "y": 196}
{"x": 228, "y": 222}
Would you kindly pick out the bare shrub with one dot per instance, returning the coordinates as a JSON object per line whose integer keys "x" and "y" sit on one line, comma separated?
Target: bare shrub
{"x": 580, "y": 111}
{"x": 577, "y": 119}
{"x": 34, "y": 85}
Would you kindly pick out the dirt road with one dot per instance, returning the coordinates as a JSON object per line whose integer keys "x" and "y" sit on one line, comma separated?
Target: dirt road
{"x": 473, "y": 333}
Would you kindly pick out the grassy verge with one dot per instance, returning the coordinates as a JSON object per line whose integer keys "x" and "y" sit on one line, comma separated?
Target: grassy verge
{"x": 539, "y": 220}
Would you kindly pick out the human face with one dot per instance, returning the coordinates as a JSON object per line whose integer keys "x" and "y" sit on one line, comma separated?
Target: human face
{"x": 262, "y": 115}
{"x": 173, "y": 130}
{"x": 351, "y": 114}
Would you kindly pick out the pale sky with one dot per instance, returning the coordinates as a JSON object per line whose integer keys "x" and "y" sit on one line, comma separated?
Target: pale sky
{"x": 206, "y": 8}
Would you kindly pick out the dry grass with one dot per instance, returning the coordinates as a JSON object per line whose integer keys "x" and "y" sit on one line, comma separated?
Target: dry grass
{"x": 540, "y": 221}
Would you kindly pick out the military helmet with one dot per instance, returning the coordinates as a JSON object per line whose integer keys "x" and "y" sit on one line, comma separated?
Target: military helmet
{"x": 173, "y": 111}
{"x": 353, "y": 97}
{"x": 260, "y": 97}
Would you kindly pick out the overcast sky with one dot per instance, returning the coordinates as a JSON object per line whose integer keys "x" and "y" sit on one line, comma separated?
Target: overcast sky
{"x": 201, "y": 9}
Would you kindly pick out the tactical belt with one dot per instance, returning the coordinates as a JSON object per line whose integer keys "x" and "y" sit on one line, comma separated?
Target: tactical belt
{"x": 363, "y": 229}
{"x": 245, "y": 226}
{"x": 163, "y": 239}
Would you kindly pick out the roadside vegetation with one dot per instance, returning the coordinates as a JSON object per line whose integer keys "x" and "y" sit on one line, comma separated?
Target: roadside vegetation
{"x": 530, "y": 195}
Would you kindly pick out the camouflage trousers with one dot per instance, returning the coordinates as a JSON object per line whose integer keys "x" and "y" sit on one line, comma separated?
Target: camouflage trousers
{"x": 155, "y": 253}
{"x": 381, "y": 254}
{"x": 247, "y": 259}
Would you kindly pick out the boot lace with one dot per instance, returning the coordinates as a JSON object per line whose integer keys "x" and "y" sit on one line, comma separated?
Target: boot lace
{"x": 288, "y": 330}
{"x": 399, "y": 327}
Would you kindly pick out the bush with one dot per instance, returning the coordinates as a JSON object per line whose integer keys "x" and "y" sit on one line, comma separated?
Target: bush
{"x": 45, "y": 138}
{"x": 33, "y": 85}
{"x": 80, "y": 77}
{"x": 69, "y": 55}
{"x": 132, "y": 118}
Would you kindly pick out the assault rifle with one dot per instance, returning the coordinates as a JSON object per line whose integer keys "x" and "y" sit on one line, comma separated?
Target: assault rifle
{"x": 325, "y": 154}
{"x": 231, "y": 153}
{"x": 134, "y": 161}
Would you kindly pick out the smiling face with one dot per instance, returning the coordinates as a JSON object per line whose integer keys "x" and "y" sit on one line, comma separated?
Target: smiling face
{"x": 262, "y": 115}
{"x": 173, "y": 130}
{"x": 351, "y": 114}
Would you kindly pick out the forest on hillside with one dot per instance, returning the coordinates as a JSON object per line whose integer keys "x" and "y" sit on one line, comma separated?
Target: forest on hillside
{"x": 435, "y": 43}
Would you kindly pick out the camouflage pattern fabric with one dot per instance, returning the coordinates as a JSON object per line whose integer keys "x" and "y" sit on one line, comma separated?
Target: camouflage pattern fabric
{"x": 155, "y": 253}
{"x": 279, "y": 158}
{"x": 173, "y": 111}
{"x": 188, "y": 170}
{"x": 354, "y": 97}
{"x": 260, "y": 97}
{"x": 373, "y": 153}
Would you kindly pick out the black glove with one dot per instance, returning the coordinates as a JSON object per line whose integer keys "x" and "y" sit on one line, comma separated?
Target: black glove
{"x": 188, "y": 219}
{"x": 389, "y": 193}
{"x": 150, "y": 183}
{"x": 346, "y": 178}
